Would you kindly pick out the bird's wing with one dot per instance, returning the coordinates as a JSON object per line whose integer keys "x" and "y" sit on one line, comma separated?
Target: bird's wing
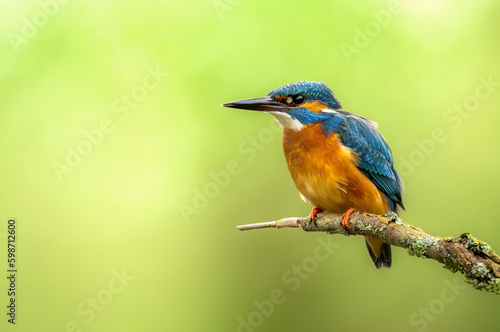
{"x": 375, "y": 158}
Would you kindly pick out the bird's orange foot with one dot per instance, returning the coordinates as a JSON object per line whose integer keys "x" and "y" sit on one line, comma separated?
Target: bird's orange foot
{"x": 345, "y": 219}
{"x": 314, "y": 214}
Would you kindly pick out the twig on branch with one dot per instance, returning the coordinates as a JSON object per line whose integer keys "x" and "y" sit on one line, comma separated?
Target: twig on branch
{"x": 475, "y": 259}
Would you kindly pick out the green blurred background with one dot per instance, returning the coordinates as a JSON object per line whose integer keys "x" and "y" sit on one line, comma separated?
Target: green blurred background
{"x": 128, "y": 179}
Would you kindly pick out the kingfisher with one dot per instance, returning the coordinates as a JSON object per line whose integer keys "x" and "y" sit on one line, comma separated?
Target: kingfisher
{"x": 338, "y": 160}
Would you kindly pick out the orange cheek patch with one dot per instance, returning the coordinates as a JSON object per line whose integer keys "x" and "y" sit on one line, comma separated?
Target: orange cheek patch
{"x": 314, "y": 106}
{"x": 279, "y": 98}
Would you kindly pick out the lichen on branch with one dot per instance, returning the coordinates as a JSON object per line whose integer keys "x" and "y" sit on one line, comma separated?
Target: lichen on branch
{"x": 475, "y": 259}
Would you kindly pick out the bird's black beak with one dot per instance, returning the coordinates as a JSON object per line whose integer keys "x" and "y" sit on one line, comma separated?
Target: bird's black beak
{"x": 265, "y": 104}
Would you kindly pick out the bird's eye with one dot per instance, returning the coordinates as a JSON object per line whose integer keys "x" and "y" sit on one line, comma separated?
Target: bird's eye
{"x": 294, "y": 100}
{"x": 298, "y": 99}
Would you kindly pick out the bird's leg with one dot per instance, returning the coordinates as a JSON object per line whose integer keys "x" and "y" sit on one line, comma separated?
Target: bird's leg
{"x": 346, "y": 215}
{"x": 314, "y": 214}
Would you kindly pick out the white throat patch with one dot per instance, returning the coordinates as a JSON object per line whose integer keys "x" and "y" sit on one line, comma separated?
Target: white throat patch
{"x": 286, "y": 121}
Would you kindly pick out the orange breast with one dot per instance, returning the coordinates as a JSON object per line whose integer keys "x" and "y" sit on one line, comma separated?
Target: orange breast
{"x": 325, "y": 172}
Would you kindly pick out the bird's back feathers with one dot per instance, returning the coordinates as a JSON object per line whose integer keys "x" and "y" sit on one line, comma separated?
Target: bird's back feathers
{"x": 375, "y": 158}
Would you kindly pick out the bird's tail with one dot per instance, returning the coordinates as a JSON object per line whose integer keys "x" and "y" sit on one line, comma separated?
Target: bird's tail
{"x": 379, "y": 251}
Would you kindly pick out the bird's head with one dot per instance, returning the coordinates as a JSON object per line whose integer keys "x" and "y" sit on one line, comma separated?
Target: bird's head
{"x": 294, "y": 105}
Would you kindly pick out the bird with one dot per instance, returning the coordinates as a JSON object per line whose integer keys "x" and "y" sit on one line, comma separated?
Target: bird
{"x": 338, "y": 160}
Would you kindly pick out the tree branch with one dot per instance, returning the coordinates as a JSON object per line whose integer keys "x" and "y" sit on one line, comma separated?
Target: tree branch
{"x": 475, "y": 259}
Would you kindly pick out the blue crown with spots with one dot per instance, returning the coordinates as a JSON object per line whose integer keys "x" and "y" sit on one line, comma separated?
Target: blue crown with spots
{"x": 311, "y": 91}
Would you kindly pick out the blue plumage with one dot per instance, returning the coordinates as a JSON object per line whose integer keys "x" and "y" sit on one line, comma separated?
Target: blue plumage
{"x": 310, "y": 90}
{"x": 356, "y": 132}
{"x": 375, "y": 158}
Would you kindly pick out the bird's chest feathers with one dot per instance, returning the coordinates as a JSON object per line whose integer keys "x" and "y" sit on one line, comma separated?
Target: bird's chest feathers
{"x": 325, "y": 171}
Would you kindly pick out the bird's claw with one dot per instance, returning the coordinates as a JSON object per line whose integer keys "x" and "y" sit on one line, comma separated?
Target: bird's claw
{"x": 313, "y": 215}
{"x": 345, "y": 218}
